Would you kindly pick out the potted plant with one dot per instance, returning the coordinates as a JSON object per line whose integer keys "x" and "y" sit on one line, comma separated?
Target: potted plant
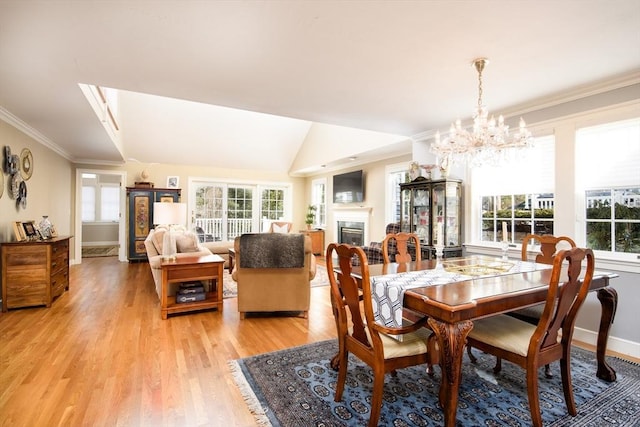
{"x": 311, "y": 216}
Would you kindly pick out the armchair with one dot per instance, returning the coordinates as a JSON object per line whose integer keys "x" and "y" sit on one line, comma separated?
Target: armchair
{"x": 374, "y": 250}
{"x": 273, "y": 272}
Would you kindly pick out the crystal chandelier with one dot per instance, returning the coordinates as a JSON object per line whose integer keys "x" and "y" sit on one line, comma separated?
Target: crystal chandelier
{"x": 487, "y": 143}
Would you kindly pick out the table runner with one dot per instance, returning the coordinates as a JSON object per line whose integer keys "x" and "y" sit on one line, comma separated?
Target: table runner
{"x": 387, "y": 291}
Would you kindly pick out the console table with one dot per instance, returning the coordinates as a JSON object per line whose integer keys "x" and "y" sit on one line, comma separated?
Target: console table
{"x": 34, "y": 272}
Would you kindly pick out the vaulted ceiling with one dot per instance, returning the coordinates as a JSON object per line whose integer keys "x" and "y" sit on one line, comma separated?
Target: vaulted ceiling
{"x": 244, "y": 83}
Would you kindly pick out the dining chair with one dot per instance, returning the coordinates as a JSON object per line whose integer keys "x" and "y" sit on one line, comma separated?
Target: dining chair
{"x": 401, "y": 247}
{"x": 532, "y": 346}
{"x": 361, "y": 335}
{"x": 547, "y": 247}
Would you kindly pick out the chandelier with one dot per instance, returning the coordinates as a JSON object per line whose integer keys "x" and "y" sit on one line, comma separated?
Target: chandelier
{"x": 487, "y": 142}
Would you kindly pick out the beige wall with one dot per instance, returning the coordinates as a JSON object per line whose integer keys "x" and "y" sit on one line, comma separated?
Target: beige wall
{"x": 375, "y": 192}
{"x": 50, "y": 189}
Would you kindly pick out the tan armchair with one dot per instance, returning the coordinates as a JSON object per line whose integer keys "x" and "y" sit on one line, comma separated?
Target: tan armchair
{"x": 273, "y": 272}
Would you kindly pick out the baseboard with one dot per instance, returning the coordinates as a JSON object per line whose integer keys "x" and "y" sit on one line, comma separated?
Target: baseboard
{"x": 619, "y": 345}
{"x": 99, "y": 243}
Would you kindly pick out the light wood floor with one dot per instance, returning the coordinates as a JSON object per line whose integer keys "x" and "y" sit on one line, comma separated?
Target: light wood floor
{"x": 102, "y": 355}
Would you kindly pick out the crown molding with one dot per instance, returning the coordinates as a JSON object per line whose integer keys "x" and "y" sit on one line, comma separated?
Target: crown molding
{"x": 14, "y": 121}
{"x": 564, "y": 97}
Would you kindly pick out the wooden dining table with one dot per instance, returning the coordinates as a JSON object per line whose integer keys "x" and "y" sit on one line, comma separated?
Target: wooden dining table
{"x": 452, "y": 307}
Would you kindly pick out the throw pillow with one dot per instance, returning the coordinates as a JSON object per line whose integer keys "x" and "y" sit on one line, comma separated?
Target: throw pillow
{"x": 187, "y": 242}
{"x": 280, "y": 228}
{"x": 157, "y": 239}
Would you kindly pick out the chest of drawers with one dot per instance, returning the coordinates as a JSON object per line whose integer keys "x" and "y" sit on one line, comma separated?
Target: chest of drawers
{"x": 34, "y": 273}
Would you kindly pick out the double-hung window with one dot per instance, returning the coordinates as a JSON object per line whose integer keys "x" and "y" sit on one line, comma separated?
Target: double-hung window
{"x": 319, "y": 200}
{"x": 608, "y": 171}
{"x": 518, "y": 196}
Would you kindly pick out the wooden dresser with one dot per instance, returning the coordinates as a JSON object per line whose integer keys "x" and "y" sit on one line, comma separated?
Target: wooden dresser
{"x": 317, "y": 240}
{"x": 34, "y": 272}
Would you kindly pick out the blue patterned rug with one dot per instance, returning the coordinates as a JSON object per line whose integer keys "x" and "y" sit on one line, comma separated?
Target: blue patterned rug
{"x": 295, "y": 387}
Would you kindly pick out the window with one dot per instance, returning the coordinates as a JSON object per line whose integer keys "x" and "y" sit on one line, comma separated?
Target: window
{"x": 396, "y": 175}
{"x": 109, "y": 202}
{"x": 612, "y": 195}
{"x": 525, "y": 201}
{"x": 272, "y": 204}
{"x": 100, "y": 198}
{"x": 223, "y": 211}
{"x": 88, "y": 203}
{"x": 319, "y": 200}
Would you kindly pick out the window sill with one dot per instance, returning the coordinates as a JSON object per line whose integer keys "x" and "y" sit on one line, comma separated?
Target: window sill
{"x": 604, "y": 261}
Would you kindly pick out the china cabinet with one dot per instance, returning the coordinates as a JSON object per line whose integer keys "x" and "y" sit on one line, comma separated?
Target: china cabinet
{"x": 433, "y": 211}
{"x": 140, "y": 216}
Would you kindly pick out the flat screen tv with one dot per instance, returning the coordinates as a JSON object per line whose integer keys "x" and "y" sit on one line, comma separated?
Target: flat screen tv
{"x": 348, "y": 187}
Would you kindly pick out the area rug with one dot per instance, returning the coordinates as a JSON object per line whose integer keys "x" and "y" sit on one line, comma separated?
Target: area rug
{"x": 295, "y": 387}
{"x": 99, "y": 251}
{"x": 230, "y": 287}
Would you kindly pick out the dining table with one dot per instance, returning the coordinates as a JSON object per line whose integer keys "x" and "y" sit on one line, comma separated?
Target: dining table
{"x": 487, "y": 286}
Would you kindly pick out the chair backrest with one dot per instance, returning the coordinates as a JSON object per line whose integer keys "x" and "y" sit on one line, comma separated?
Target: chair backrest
{"x": 345, "y": 295}
{"x": 280, "y": 227}
{"x": 402, "y": 248}
{"x": 549, "y": 246}
{"x": 563, "y": 300}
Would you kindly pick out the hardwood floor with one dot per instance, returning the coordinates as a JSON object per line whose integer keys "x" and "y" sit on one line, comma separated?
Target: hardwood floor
{"x": 102, "y": 355}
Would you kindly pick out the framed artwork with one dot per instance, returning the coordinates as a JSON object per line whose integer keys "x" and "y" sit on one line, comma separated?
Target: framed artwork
{"x": 53, "y": 231}
{"x": 172, "y": 181}
{"x": 30, "y": 230}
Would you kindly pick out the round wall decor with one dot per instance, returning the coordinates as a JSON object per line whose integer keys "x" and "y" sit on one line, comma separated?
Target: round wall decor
{"x": 26, "y": 163}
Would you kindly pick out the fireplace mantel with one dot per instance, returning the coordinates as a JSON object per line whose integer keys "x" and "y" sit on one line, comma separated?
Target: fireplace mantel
{"x": 352, "y": 213}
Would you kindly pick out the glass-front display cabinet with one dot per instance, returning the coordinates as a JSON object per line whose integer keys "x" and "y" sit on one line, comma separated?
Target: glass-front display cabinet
{"x": 433, "y": 211}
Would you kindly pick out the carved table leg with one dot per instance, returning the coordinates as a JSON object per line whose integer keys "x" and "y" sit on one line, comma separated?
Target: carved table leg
{"x": 609, "y": 301}
{"x": 451, "y": 339}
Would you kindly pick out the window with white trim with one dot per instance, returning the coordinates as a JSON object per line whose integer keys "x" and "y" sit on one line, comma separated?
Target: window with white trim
{"x": 608, "y": 170}
{"x": 396, "y": 175}
{"x": 319, "y": 200}
{"x": 517, "y": 196}
{"x": 100, "y": 200}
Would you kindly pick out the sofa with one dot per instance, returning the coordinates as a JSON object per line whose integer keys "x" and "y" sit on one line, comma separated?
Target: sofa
{"x": 273, "y": 272}
{"x": 220, "y": 248}
{"x": 187, "y": 244}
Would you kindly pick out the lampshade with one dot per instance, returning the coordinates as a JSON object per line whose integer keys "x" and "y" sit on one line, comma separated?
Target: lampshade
{"x": 169, "y": 213}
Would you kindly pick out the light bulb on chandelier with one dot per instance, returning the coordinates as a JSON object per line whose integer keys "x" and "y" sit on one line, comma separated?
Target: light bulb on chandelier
{"x": 487, "y": 142}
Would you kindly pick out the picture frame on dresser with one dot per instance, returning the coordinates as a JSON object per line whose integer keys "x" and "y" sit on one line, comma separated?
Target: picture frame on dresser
{"x": 30, "y": 230}
{"x": 19, "y": 231}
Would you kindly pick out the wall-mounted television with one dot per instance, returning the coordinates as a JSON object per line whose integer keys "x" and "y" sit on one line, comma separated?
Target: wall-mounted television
{"x": 348, "y": 187}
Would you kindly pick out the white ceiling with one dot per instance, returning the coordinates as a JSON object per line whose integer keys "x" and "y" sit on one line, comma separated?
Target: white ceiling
{"x": 388, "y": 66}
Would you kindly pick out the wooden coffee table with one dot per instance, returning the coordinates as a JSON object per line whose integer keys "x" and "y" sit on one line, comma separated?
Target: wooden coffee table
{"x": 189, "y": 268}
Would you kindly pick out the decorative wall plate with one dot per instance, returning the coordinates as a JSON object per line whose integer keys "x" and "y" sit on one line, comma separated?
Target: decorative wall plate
{"x": 22, "y": 195}
{"x": 15, "y": 185}
{"x": 26, "y": 163}
{"x": 6, "y": 161}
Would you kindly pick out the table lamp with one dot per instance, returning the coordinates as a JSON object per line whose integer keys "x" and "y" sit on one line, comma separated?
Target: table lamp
{"x": 169, "y": 215}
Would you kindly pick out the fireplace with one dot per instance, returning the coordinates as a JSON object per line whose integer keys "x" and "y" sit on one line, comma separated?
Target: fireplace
{"x": 351, "y": 232}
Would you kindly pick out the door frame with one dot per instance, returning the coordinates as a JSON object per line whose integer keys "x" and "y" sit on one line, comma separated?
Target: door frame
{"x": 122, "y": 224}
